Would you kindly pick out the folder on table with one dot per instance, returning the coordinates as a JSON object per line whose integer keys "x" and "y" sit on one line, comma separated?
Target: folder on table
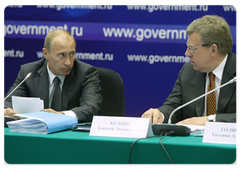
{"x": 41, "y": 123}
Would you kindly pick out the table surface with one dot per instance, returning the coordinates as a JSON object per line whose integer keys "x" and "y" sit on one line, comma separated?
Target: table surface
{"x": 69, "y": 147}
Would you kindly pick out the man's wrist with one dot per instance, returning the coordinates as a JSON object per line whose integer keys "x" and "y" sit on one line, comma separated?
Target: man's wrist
{"x": 70, "y": 113}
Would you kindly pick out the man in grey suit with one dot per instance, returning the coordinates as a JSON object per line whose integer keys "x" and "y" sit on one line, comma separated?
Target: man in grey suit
{"x": 209, "y": 47}
{"x": 79, "y": 82}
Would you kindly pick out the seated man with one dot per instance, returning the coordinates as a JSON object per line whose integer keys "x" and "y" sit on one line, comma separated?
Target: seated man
{"x": 209, "y": 47}
{"x": 78, "y": 87}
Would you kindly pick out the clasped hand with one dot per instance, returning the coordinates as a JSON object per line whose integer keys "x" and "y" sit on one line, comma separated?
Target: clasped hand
{"x": 52, "y": 111}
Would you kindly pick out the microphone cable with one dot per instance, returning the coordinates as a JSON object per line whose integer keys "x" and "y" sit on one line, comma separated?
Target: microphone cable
{"x": 163, "y": 145}
{"x": 130, "y": 154}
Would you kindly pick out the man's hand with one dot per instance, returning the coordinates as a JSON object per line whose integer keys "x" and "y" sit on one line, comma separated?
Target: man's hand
{"x": 154, "y": 114}
{"x": 52, "y": 111}
{"x": 9, "y": 112}
{"x": 194, "y": 121}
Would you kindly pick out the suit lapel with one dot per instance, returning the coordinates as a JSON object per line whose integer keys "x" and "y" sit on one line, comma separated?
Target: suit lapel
{"x": 227, "y": 91}
{"x": 199, "y": 89}
{"x": 42, "y": 85}
{"x": 67, "y": 89}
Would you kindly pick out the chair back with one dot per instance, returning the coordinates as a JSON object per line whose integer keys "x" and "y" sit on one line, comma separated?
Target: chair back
{"x": 112, "y": 90}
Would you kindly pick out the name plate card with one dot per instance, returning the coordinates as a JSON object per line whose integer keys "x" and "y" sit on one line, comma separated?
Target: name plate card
{"x": 216, "y": 132}
{"x": 121, "y": 127}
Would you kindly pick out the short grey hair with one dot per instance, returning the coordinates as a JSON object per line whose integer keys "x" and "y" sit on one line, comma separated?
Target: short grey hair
{"x": 48, "y": 42}
{"x": 213, "y": 30}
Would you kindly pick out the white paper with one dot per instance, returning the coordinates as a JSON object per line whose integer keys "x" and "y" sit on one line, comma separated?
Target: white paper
{"x": 28, "y": 126}
{"x": 196, "y": 128}
{"x": 27, "y": 104}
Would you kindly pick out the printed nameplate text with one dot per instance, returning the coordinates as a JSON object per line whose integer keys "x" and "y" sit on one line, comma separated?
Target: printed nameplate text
{"x": 121, "y": 127}
{"x": 216, "y": 132}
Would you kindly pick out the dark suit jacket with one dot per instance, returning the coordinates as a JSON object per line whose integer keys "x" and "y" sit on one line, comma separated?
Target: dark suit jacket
{"x": 191, "y": 84}
{"x": 80, "y": 91}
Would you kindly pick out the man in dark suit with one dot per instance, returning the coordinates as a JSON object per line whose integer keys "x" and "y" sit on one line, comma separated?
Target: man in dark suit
{"x": 209, "y": 47}
{"x": 79, "y": 82}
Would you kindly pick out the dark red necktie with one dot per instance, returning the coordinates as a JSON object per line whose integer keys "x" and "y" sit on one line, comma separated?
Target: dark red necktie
{"x": 211, "y": 98}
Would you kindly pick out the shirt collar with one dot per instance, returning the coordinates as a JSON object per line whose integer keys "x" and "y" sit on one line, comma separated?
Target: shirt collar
{"x": 218, "y": 72}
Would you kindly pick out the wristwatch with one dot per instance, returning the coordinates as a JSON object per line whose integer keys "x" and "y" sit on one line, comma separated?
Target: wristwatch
{"x": 211, "y": 118}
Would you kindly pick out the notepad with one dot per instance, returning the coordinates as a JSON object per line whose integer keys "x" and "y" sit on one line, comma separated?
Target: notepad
{"x": 41, "y": 123}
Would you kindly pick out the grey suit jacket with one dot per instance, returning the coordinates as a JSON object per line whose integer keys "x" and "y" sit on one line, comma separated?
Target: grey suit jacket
{"x": 80, "y": 91}
{"x": 191, "y": 84}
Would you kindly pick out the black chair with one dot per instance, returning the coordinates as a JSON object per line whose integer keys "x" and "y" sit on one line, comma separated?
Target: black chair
{"x": 112, "y": 90}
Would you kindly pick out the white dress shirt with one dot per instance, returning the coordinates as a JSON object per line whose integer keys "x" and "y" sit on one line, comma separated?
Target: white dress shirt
{"x": 218, "y": 72}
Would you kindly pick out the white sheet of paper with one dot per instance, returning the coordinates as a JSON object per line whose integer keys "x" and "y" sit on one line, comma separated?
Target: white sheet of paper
{"x": 195, "y": 128}
{"x": 27, "y": 104}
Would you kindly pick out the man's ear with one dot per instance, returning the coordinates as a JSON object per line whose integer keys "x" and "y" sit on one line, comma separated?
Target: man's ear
{"x": 45, "y": 53}
{"x": 214, "y": 49}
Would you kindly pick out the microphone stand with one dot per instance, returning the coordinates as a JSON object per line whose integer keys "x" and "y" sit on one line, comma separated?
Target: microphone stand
{"x": 28, "y": 76}
{"x": 180, "y": 130}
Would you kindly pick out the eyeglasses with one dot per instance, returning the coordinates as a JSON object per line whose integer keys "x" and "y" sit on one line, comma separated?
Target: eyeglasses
{"x": 192, "y": 48}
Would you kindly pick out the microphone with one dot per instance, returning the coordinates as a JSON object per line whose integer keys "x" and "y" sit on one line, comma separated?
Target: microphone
{"x": 181, "y": 130}
{"x": 28, "y": 76}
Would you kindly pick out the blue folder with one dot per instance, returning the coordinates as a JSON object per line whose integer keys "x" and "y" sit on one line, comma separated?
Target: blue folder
{"x": 41, "y": 122}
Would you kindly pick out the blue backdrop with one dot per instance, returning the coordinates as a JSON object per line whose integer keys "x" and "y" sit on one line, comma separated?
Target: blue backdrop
{"x": 144, "y": 44}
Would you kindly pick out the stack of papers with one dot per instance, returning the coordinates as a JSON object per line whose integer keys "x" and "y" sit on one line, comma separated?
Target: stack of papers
{"x": 41, "y": 123}
{"x": 34, "y": 120}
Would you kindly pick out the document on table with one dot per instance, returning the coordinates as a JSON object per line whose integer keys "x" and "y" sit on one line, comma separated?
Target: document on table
{"x": 27, "y": 104}
{"x": 41, "y": 123}
{"x": 34, "y": 120}
{"x": 196, "y": 129}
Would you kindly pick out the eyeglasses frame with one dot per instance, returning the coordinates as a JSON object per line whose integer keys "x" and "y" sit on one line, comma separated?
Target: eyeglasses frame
{"x": 192, "y": 48}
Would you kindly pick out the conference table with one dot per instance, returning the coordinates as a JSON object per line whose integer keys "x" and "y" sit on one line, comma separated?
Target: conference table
{"x": 73, "y": 147}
